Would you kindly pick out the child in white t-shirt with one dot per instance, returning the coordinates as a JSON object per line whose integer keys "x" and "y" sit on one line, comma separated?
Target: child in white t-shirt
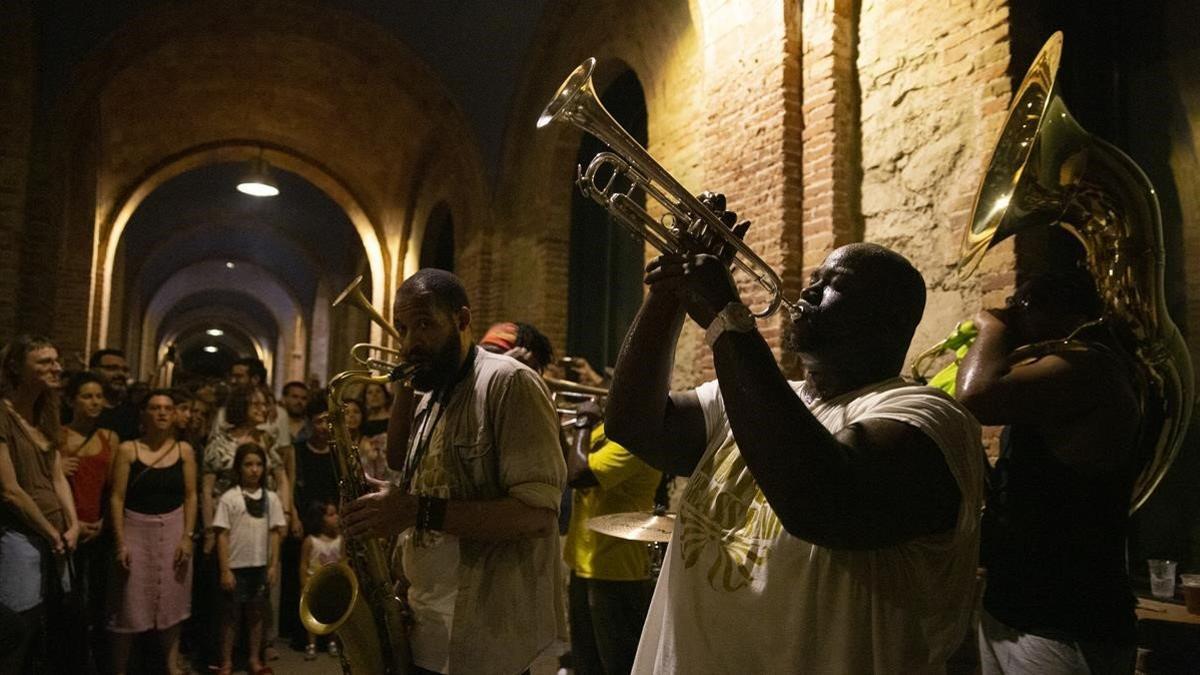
{"x": 249, "y": 523}
{"x": 323, "y": 546}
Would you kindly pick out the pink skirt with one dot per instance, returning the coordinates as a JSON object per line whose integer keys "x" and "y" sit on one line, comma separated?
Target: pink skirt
{"x": 153, "y": 594}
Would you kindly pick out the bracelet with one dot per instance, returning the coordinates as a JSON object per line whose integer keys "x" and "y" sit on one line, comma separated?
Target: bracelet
{"x": 431, "y": 513}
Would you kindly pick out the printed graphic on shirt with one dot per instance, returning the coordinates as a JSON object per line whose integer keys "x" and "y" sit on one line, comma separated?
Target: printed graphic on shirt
{"x": 726, "y": 519}
{"x": 431, "y": 479}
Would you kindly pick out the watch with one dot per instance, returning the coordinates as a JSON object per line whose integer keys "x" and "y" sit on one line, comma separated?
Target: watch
{"x": 734, "y": 316}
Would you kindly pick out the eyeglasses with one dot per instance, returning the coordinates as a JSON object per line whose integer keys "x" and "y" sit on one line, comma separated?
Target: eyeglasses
{"x": 1022, "y": 302}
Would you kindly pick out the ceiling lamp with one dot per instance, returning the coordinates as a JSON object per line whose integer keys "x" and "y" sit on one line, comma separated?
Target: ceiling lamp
{"x": 211, "y": 349}
{"x": 215, "y": 332}
{"x": 258, "y": 182}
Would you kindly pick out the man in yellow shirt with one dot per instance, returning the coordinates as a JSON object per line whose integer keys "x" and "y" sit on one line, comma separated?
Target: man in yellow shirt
{"x": 610, "y": 578}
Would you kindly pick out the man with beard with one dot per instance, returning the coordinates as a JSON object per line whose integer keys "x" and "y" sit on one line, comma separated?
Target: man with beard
{"x": 120, "y": 414}
{"x": 481, "y": 474}
{"x": 829, "y": 525}
{"x": 1058, "y": 598}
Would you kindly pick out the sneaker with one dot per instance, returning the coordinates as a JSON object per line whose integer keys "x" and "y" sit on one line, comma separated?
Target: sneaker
{"x": 310, "y": 652}
{"x": 333, "y": 648}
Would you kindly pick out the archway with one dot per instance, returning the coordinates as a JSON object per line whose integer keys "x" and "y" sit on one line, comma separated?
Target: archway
{"x": 604, "y": 281}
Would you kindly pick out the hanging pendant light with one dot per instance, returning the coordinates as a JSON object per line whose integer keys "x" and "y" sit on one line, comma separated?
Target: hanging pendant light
{"x": 258, "y": 182}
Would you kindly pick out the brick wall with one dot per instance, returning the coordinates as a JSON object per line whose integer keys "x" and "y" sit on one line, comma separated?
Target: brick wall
{"x": 721, "y": 81}
{"x": 16, "y": 119}
{"x": 339, "y": 96}
{"x": 536, "y": 178}
{"x": 935, "y": 90}
{"x": 825, "y": 122}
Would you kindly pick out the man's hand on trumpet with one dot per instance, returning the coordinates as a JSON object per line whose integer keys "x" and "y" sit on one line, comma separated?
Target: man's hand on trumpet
{"x": 700, "y": 277}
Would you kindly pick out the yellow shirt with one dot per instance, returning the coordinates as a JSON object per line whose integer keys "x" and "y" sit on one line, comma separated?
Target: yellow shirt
{"x": 626, "y": 484}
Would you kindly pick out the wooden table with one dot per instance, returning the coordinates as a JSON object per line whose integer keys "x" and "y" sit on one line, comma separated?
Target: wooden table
{"x": 1157, "y": 610}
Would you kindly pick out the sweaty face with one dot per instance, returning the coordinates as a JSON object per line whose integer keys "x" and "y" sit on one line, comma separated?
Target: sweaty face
{"x": 429, "y": 339}
{"x": 1033, "y": 314}
{"x": 831, "y": 308}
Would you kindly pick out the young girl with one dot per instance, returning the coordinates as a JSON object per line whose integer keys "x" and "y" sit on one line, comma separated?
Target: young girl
{"x": 322, "y": 546}
{"x": 249, "y": 523}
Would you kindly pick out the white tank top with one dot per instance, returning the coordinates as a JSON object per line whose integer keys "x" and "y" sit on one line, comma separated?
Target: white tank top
{"x": 324, "y": 552}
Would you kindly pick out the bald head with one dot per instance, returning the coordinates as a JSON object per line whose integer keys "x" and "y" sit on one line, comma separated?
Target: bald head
{"x": 444, "y": 288}
{"x": 863, "y": 305}
{"x": 899, "y": 289}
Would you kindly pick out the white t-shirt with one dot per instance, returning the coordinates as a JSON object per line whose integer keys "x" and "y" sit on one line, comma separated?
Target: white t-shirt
{"x": 738, "y": 594}
{"x": 248, "y": 536}
{"x": 431, "y": 565}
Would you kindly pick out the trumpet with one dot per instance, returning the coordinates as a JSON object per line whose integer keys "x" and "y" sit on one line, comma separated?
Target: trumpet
{"x": 686, "y": 218}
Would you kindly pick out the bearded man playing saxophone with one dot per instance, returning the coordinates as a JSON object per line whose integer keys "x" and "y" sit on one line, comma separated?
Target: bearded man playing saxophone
{"x": 829, "y": 525}
{"x": 482, "y": 474}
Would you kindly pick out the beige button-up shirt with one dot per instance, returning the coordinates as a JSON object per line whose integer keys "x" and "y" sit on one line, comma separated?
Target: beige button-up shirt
{"x": 495, "y": 436}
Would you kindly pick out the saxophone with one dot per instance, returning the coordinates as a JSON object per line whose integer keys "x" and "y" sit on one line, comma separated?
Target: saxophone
{"x": 355, "y": 597}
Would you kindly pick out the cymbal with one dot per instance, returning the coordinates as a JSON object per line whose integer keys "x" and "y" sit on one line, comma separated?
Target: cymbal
{"x": 635, "y": 526}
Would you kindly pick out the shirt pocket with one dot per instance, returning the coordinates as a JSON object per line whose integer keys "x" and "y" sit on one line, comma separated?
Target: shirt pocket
{"x": 475, "y": 459}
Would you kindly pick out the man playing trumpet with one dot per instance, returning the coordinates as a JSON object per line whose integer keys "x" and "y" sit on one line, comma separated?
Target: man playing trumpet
{"x": 482, "y": 473}
{"x": 829, "y": 525}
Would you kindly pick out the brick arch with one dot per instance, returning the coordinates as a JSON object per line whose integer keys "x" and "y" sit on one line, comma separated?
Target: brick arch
{"x": 443, "y": 177}
{"x": 293, "y": 248}
{"x": 661, "y": 43}
{"x": 230, "y": 320}
{"x": 331, "y": 96}
{"x": 285, "y": 310}
{"x": 234, "y": 151}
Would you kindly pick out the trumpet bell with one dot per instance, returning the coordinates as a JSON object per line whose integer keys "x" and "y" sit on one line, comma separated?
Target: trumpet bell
{"x": 564, "y": 104}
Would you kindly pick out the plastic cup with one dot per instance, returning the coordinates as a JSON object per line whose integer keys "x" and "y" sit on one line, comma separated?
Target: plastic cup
{"x": 1191, "y": 592}
{"x": 1162, "y": 578}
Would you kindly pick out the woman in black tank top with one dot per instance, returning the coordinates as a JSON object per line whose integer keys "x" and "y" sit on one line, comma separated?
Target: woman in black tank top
{"x": 157, "y": 487}
{"x": 153, "y": 507}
